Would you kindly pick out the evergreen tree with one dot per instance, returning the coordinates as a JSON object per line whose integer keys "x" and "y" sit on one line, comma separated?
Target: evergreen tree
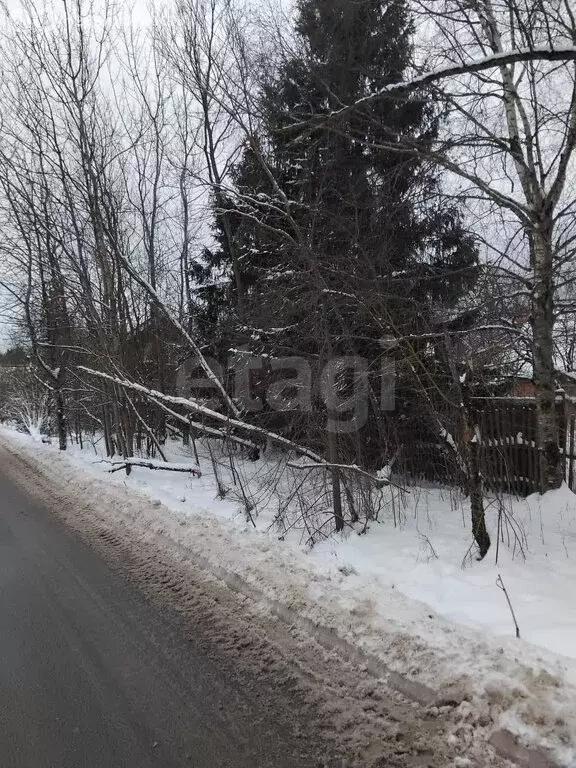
{"x": 367, "y": 248}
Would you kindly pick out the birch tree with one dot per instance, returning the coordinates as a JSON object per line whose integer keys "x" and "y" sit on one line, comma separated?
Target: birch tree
{"x": 521, "y": 120}
{"x": 507, "y": 74}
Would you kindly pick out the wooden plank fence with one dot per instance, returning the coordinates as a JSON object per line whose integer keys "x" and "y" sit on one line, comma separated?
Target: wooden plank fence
{"x": 509, "y": 446}
{"x": 510, "y": 454}
{"x": 509, "y": 450}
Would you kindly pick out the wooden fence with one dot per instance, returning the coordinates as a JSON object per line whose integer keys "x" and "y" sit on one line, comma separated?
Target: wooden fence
{"x": 509, "y": 450}
{"x": 510, "y": 454}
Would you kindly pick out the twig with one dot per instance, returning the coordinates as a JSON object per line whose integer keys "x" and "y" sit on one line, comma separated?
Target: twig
{"x": 427, "y": 541}
{"x": 379, "y": 482}
{"x": 500, "y": 585}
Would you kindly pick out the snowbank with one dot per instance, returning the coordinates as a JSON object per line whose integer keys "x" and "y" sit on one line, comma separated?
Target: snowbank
{"x": 406, "y": 592}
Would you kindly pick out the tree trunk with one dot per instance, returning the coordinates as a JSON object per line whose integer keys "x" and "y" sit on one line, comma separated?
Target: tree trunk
{"x": 108, "y": 438}
{"x": 337, "y": 500}
{"x": 543, "y": 353}
{"x": 471, "y": 441}
{"x": 479, "y": 530}
{"x": 61, "y": 421}
{"x": 335, "y": 478}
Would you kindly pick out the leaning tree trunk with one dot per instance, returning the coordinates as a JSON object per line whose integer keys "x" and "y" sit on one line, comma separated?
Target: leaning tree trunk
{"x": 543, "y": 354}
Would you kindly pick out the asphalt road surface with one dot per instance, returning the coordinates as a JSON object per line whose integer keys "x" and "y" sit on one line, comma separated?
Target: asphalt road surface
{"x": 93, "y": 675}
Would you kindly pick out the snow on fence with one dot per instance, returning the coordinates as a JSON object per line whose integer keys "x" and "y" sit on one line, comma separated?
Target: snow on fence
{"x": 509, "y": 450}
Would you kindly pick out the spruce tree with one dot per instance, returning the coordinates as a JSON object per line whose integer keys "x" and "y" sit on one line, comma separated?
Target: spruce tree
{"x": 370, "y": 249}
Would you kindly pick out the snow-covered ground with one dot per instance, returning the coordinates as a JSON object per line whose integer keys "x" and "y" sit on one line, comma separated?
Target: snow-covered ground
{"x": 407, "y": 591}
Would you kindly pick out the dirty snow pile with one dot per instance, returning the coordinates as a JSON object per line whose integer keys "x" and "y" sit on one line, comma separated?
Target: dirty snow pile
{"x": 408, "y": 590}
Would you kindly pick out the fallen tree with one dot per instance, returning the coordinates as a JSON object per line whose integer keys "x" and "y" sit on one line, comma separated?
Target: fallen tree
{"x": 230, "y": 423}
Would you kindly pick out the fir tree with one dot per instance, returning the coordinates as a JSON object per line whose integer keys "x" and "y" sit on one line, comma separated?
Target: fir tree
{"x": 370, "y": 248}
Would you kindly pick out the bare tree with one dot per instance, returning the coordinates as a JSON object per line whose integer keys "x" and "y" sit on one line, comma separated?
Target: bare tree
{"x": 506, "y": 72}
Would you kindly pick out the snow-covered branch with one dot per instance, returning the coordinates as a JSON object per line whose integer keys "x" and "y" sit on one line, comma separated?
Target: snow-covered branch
{"x": 119, "y": 464}
{"x": 192, "y": 405}
{"x": 210, "y": 375}
{"x": 379, "y": 481}
{"x": 536, "y": 53}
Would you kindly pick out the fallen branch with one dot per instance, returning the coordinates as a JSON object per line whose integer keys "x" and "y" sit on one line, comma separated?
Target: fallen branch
{"x": 204, "y": 428}
{"x": 210, "y": 375}
{"x": 151, "y": 464}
